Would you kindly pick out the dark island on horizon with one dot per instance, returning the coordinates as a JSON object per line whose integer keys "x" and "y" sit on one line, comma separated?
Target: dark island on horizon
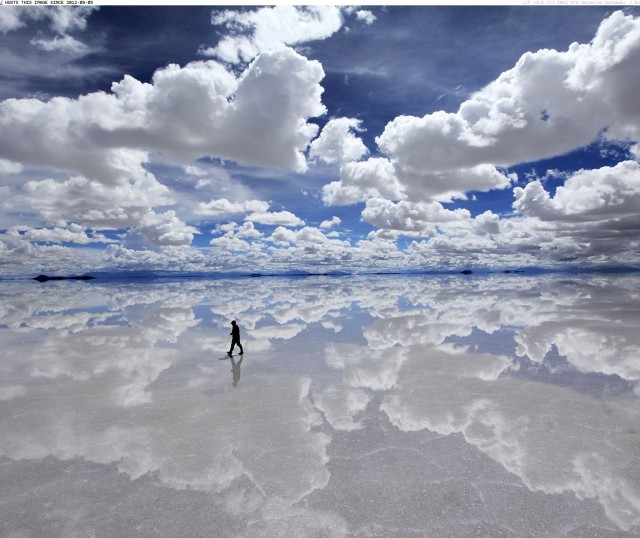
{"x": 45, "y": 278}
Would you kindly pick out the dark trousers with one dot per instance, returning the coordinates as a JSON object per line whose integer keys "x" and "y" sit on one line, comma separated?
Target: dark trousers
{"x": 235, "y": 341}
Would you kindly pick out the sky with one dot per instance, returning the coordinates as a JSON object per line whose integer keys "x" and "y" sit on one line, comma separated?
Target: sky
{"x": 318, "y": 138}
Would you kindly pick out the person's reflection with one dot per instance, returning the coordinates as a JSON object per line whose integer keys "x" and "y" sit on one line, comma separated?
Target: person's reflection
{"x": 235, "y": 369}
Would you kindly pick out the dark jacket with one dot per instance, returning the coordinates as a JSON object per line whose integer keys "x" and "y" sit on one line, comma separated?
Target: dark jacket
{"x": 235, "y": 332}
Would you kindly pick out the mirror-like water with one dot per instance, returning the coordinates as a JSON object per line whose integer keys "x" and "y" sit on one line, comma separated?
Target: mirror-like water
{"x": 362, "y": 406}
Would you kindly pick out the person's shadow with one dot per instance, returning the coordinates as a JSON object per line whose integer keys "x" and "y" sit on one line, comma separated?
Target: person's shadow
{"x": 235, "y": 370}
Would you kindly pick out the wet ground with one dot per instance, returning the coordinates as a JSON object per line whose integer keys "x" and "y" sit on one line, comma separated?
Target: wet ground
{"x": 387, "y": 406}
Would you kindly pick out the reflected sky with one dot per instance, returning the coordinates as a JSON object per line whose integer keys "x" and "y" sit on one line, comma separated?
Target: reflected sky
{"x": 363, "y": 406}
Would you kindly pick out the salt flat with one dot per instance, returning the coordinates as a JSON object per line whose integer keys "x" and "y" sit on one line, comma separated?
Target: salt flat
{"x": 501, "y": 405}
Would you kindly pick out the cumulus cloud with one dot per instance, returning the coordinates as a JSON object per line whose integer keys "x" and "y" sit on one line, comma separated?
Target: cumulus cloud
{"x": 594, "y": 215}
{"x": 588, "y": 195}
{"x": 330, "y": 223}
{"x": 592, "y": 218}
{"x": 487, "y": 223}
{"x": 270, "y": 29}
{"x": 503, "y": 123}
{"x": 8, "y": 167}
{"x": 381, "y": 177}
{"x": 307, "y": 234}
{"x": 194, "y": 171}
{"x": 549, "y": 103}
{"x": 248, "y": 231}
{"x": 374, "y": 178}
{"x": 74, "y": 233}
{"x": 104, "y": 140}
{"x": 204, "y": 109}
{"x": 409, "y": 217}
{"x": 235, "y": 236}
{"x": 337, "y": 142}
{"x": 223, "y": 207}
{"x": 233, "y": 244}
{"x": 121, "y": 203}
{"x": 366, "y": 16}
{"x": 183, "y": 110}
{"x": 275, "y": 218}
{"x": 166, "y": 229}
{"x": 283, "y": 235}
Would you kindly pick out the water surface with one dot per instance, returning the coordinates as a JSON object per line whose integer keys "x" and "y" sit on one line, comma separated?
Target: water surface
{"x": 504, "y": 405}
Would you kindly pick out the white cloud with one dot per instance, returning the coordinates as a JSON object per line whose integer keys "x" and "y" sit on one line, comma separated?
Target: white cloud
{"x": 608, "y": 193}
{"x": 487, "y": 223}
{"x": 337, "y": 142}
{"x": 248, "y": 231}
{"x": 226, "y": 228}
{"x": 593, "y": 216}
{"x": 166, "y": 229}
{"x": 99, "y": 204}
{"x": 276, "y": 218}
{"x": 194, "y": 171}
{"x": 283, "y": 332}
{"x": 12, "y": 19}
{"x": 366, "y": 16}
{"x": 64, "y": 43}
{"x": 230, "y": 244}
{"x": 283, "y": 235}
{"x": 61, "y": 19}
{"x": 103, "y": 141}
{"x": 330, "y": 223}
{"x": 548, "y": 104}
{"x": 271, "y": 29}
{"x": 223, "y": 207}
{"x": 202, "y": 109}
{"x": 8, "y": 167}
{"x": 74, "y": 233}
{"x": 381, "y": 178}
{"x": 311, "y": 235}
{"x": 158, "y": 230}
{"x": 374, "y": 178}
{"x": 405, "y": 216}
{"x": 307, "y": 234}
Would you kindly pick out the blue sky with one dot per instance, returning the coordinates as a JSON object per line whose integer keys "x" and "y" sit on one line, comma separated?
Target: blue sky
{"x": 330, "y": 138}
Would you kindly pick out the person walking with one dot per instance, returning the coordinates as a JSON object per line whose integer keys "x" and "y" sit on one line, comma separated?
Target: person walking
{"x": 235, "y": 338}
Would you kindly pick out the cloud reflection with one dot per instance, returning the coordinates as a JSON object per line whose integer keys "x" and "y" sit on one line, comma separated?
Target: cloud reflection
{"x": 127, "y": 376}
{"x": 553, "y": 438}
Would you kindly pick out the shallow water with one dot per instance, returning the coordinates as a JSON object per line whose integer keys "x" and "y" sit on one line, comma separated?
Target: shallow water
{"x": 363, "y": 406}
